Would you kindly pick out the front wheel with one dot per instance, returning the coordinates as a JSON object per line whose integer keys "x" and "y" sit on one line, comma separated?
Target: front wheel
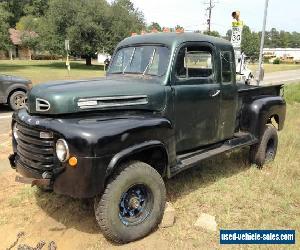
{"x": 132, "y": 204}
{"x": 266, "y": 149}
{"x": 17, "y": 100}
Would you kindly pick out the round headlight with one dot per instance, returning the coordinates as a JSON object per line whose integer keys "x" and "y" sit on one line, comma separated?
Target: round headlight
{"x": 15, "y": 130}
{"x": 62, "y": 150}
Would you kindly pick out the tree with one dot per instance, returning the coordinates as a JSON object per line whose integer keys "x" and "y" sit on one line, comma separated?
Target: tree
{"x": 90, "y": 25}
{"x": 250, "y": 42}
{"x": 28, "y": 23}
{"x": 20, "y": 8}
{"x": 212, "y": 33}
{"x": 16, "y": 8}
{"x": 178, "y": 27}
{"x": 89, "y": 29}
{"x": 36, "y": 8}
{"x": 124, "y": 19}
{"x": 4, "y": 25}
{"x": 228, "y": 34}
{"x": 154, "y": 26}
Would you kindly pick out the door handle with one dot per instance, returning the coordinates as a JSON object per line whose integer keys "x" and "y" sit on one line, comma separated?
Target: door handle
{"x": 216, "y": 93}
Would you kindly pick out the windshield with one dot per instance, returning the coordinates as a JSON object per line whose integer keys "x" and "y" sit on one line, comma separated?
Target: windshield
{"x": 145, "y": 60}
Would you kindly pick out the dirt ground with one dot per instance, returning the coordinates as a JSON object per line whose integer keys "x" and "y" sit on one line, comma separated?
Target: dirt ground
{"x": 48, "y": 217}
{"x": 69, "y": 223}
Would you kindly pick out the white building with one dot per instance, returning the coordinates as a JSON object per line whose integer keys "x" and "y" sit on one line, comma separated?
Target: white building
{"x": 292, "y": 54}
{"x": 101, "y": 57}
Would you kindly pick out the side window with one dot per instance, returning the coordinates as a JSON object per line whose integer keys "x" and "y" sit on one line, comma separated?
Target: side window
{"x": 195, "y": 62}
{"x": 227, "y": 75}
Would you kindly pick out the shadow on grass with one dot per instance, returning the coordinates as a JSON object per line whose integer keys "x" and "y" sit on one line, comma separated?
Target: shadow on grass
{"x": 10, "y": 66}
{"x": 74, "y": 65}
{"x": 72, "y": 213}
{"x": 208, "y": 172}
{"x": 79, "y": 214}
{"x": 4, "y": 108}
{"x": 7, "y": 67}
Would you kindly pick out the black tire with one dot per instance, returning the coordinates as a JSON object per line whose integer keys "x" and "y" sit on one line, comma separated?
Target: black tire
{"x": 17, "y": 100}
{"x": 121, "y": 198}
{"x": 266, "y": 149}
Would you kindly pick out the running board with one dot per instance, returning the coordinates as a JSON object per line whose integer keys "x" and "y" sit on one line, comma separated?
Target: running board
{"x": 188, "y": 160}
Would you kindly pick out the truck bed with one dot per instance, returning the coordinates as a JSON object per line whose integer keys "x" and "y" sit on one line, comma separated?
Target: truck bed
{"x": 259, "y": 90}
{"x": 247, "y": 93}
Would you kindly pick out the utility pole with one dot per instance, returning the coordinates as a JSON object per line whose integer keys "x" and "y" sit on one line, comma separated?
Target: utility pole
{"x": 262, "y": 42}
{"x": 211, "y": 4}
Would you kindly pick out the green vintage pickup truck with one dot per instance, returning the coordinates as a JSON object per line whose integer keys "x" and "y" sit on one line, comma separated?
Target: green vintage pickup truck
{"x": 168, "y": 102}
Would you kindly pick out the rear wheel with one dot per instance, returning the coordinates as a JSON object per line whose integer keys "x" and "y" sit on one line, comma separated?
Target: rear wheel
{"x": 266, "y": 149}
{"x": 132, "y": 204}
{"x": 17, "y": 100}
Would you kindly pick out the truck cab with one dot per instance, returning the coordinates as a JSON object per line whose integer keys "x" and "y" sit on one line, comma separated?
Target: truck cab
{"x": 169, "y": 100}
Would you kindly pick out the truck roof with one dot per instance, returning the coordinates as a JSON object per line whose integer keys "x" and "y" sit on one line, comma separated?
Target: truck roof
{"x": 172, "y": 39}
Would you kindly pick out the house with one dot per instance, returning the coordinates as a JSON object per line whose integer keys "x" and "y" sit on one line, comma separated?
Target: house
{"x": 19, "y": 50}
{"x": 285, "y": 54}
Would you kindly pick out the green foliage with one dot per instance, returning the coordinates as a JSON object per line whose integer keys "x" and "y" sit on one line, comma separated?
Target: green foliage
{"x": 282, "y": 39}
{"x": 90, "y": 25}
{"x": 250, "y": 42}
{"x": 28, "y": 23}
{"x": 4, "y": 35}
{"x": 178, "y": 27}
{"x": 212, "y": 33}
{"x": 36, "y": 8}
{"x": 123, "y": 19}
{"x": 154, "y": 26}
{"x": 20, "y": 8}
{"x": 276, "y": 61}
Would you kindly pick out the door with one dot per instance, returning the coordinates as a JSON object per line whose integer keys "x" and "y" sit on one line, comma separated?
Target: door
{"x": 196, "y": 96}
{"x": 229, "y": 96}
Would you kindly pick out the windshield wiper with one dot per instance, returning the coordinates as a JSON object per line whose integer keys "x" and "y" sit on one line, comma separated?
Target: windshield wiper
{"x": 130, "y": 61}
{"x": 150, "y": 62}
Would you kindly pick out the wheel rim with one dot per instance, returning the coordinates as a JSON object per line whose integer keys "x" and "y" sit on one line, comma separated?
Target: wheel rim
{"x": 270, "y": 150}
{"x": 19, "y": 101}
{"x": 135, "y": 205}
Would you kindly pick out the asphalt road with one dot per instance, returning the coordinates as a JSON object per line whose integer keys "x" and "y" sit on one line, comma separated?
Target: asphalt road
{"x": 289, "y": 76}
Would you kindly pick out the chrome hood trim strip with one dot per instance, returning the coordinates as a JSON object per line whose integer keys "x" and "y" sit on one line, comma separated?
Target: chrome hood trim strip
{"x": 112, "y": 101}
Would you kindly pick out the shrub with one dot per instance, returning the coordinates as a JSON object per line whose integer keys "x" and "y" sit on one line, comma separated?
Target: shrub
{"x": 276, "y": 61}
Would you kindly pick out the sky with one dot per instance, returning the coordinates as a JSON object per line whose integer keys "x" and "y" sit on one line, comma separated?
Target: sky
{"x": 191, "y": 14}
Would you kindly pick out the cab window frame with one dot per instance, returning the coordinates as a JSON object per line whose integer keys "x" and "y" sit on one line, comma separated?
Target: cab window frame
{"x": 207, "y": 47}
{"x": 232, "y": 73}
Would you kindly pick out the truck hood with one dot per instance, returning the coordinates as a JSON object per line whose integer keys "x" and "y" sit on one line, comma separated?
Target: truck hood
{"x": 65, "y": 97}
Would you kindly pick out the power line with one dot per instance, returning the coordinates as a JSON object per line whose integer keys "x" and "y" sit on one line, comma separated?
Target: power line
{"x": 211, "y": 4}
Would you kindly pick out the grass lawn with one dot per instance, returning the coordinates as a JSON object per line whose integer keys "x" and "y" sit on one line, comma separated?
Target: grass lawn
{"x": 269, "y": 68}
{"x": 43, "y": 71}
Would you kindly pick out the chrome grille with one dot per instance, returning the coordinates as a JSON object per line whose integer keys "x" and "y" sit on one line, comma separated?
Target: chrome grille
{"x": 32, "y": 151}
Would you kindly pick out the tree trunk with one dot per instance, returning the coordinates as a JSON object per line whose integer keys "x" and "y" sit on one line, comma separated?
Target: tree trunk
{"x": 88, "y": 61}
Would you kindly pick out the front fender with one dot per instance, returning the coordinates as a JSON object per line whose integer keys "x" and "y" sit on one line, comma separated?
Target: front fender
{"x": 135, "y": 149}
{"x": 100, "y": 135}
{"x": 257, "y": 114}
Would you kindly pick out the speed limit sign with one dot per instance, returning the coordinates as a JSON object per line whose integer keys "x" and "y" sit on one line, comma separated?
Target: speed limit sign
{"x": 236, "y": 37}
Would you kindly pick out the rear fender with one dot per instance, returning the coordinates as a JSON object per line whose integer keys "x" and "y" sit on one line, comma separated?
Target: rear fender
{"x": 258, "y": 113}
